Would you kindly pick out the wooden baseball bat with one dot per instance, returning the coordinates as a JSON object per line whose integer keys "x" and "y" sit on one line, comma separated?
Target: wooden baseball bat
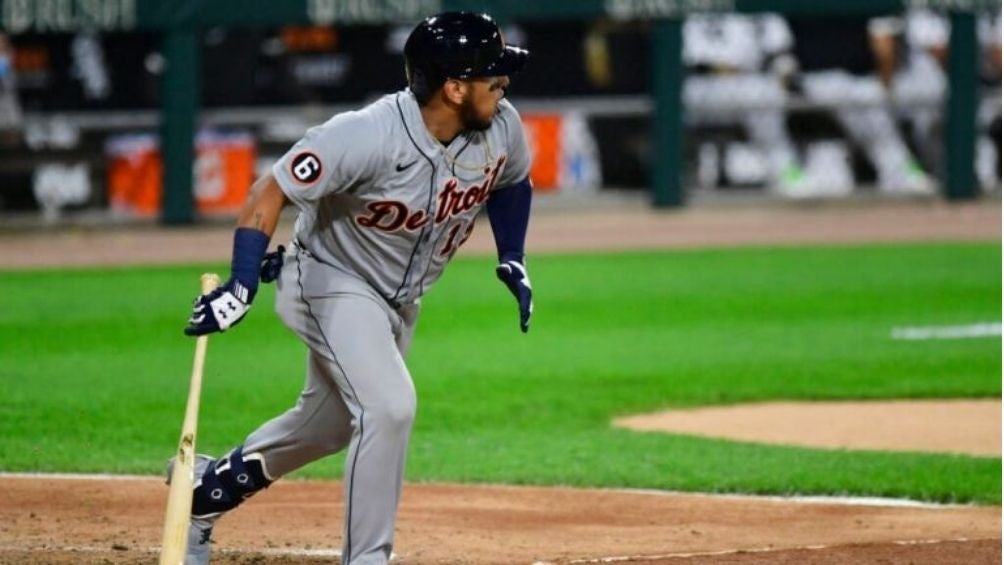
{"x": 179, "y": 497}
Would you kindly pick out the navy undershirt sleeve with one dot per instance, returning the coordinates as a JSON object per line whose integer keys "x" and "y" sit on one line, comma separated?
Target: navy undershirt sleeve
{"x": 509, "y": 214}
{"x": 249, "y": 248}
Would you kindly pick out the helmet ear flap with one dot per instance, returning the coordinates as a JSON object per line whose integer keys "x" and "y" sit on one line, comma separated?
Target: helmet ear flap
{"x": 419, "y": 84}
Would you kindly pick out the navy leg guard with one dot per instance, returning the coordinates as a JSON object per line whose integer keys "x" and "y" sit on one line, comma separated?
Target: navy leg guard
{"x": 229, "y": 481}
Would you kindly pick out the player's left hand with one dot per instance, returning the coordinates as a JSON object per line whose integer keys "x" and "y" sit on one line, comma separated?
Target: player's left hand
{"x": 220, "y": 309}
{"x": 513, "y": 274}
{"x": 271, "y": 265}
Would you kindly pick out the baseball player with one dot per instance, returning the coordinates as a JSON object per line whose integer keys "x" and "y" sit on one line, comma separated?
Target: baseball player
{"x": 735, "y": 65}
{"x": 386, "y": 195}
{"x": 843, "y": 64}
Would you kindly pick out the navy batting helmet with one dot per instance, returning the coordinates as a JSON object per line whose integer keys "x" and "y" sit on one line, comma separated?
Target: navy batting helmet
{"x": 458, "y": 45}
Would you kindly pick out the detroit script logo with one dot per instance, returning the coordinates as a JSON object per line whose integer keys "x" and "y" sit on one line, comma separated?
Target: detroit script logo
{"x": 393, "y": 215}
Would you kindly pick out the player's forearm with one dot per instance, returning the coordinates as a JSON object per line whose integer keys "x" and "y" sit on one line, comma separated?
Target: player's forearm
{"x": 509, "y": 214}
{"x": 255, "y": 226}
{"x": 885, "y": 52}
{"x": 227, "y": 305}
{"x": 262, "y": 208}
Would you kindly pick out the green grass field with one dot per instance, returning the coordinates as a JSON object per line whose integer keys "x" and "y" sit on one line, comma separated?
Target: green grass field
{"x": 94, "y": 368}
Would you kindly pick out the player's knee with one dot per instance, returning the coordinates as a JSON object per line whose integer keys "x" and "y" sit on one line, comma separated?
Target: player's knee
{"x": 394, "y": 414}
{"x": 228, "y": 481}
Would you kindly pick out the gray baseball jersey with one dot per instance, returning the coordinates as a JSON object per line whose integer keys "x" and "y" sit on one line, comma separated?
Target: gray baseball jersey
{"x": 383, "y": 208}
{"x": 381, "y": 199}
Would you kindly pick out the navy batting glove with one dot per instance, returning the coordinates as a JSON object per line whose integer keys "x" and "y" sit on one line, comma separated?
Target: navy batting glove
{"x": 221, "y": 309}
{"x": 513, "y": 274}
{"x": 271, "y": 265}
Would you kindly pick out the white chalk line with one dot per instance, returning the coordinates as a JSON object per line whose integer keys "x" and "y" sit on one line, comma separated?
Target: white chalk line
{"x": 797, "y": 499}
{"x": 882, "y": 502}
{"x": 803, "y": 499}
{"x": 968, "y": 331}
{"x": 760, "y": 550}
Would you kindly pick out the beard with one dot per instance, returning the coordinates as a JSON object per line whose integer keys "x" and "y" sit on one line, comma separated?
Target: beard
{"x": 469, "y": 117}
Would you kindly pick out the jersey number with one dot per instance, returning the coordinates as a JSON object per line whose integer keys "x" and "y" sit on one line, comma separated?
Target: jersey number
{"x": 454, "y": 239}
{"x": 306, "y": 168}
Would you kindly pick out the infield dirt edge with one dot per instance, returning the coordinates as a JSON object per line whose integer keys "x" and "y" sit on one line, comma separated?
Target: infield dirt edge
{"x": 961, "y": 426}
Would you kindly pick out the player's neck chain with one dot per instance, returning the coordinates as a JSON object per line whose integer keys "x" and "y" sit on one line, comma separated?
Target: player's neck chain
{"x": 455, "y": 163}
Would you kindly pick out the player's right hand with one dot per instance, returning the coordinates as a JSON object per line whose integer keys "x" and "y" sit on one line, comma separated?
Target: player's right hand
{"x": 220, "y": 309}
{"x": 513, "y": 275}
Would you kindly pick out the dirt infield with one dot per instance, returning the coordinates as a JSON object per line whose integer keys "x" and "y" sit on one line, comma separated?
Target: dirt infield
{"x": 971, "y": 427}
{"x": 118, "y": 521}
{"x": 60, "y": 520}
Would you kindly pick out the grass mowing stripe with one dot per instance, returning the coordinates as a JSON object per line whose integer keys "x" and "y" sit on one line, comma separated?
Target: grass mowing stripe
{"x": 95, "y": 367}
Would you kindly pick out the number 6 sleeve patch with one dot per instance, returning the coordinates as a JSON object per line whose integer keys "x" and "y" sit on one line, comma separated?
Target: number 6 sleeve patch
{"x": 305, "y": 168}
{"x": 341, "y": 153}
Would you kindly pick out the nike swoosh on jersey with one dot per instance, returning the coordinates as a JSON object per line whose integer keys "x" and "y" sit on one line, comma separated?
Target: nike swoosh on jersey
{"x": 401, "y": 167}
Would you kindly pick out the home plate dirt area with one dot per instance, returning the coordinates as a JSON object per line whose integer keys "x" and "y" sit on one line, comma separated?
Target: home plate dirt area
{"x": 113, "y": 520}
{"x": 52, "y": 519}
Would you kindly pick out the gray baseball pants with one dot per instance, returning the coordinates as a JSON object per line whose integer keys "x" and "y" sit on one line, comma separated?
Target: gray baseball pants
{"x": 358, "y": 393}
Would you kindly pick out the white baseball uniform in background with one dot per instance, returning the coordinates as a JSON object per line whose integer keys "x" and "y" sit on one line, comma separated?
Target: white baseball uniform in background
{"x": 734, "y": 86}
{"x": 861, "y": 107}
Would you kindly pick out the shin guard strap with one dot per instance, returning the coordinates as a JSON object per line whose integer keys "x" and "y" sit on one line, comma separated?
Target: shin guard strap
{"x": 228, "y": 482}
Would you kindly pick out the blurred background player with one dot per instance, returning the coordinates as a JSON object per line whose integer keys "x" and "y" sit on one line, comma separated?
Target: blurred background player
{"x": 847, "y": 64}
{"x": 735, "y": 65}
{"x": 988, "y": 148}
{"x": 919, "y": 86}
